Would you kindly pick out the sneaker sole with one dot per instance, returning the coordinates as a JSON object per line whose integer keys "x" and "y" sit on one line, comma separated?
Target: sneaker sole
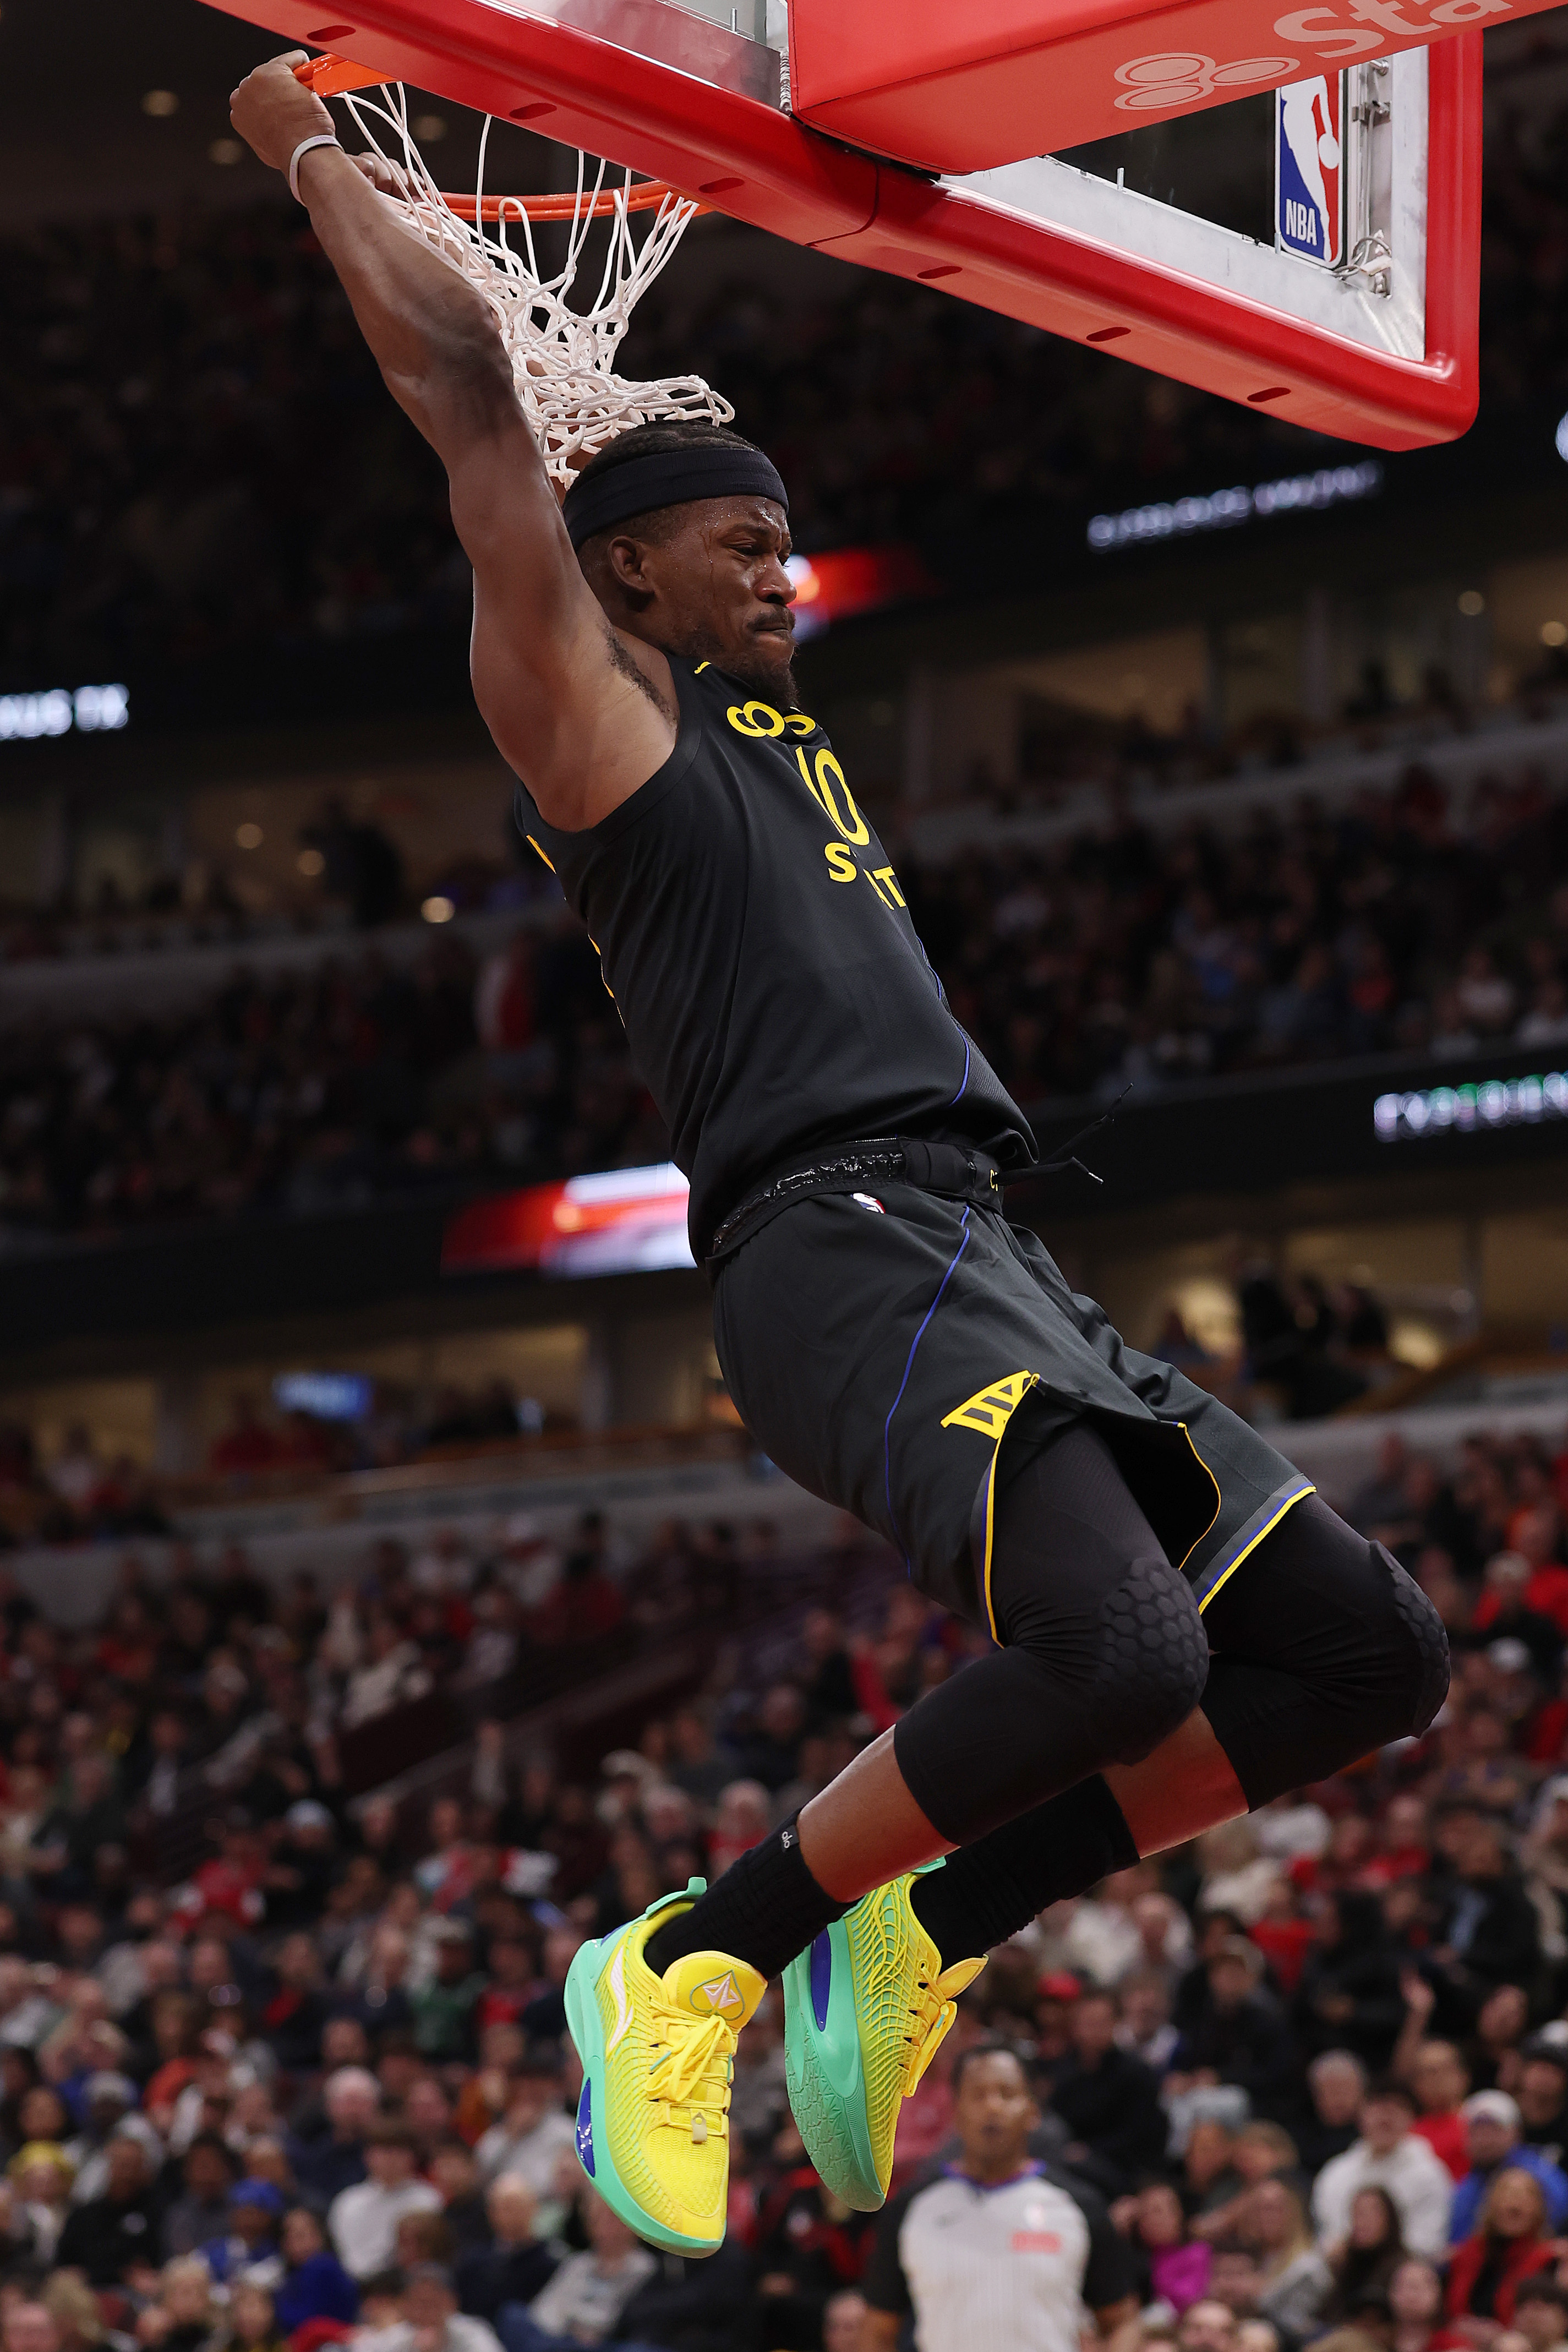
{"x": 830, "y": 2117}
{"x": 584, "y": 2026}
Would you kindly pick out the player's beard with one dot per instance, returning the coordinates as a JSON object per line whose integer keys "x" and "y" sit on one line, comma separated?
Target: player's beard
{"x": 757, "y": 665}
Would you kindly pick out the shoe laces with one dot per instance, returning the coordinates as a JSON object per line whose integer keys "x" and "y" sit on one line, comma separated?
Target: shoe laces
{"x": 933, "y": 2013}
{"x": 693, "y": 2067}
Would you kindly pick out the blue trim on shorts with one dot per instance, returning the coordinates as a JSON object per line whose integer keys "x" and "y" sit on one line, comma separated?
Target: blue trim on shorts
{"x": 904, "y": 1383}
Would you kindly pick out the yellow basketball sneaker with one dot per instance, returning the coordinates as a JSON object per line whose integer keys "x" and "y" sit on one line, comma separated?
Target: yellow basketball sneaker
{"x": 658, "y": 2058}
{"x": 865, "y": 2011}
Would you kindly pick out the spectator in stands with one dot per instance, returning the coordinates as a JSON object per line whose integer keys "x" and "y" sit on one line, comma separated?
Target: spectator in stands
{"x": 1440, "y": 2079}
{"x": 1293, "y": 2278}
{"x": 1364, "y": 2261}
{"x": 515, "y": 2265}
{"x": 584, "y": 2301}
{"x": 535, "y": 2131}
{"x": 248, "y": 2247}
{"x": 362, "y": 2220}
{"x": 1108, "y": 2099}
{"x": 116, "y": 2233}
{"x": 1349, "y": 1996}
{"x": 1176, "y": 2265}
{"x": 1490, "y": 1931}
{"x": 1336, "y": 2083}
{"x": 1510, "y": 2244}
{"x": 184, "y": 2318}
{"x": 1387, "y": 2156}
{"x": 1540, "y": 2311}
{"x": 1415, "y": 2307}
{"x": 314, "y": 2283}
{"x": 1494, "y": 2143}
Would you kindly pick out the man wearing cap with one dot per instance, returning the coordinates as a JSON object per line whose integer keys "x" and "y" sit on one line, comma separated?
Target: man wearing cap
{"x": 1493, "y": 2138}
{"x": 1387, "y": 2156}
{"x": 248, "y": 2248}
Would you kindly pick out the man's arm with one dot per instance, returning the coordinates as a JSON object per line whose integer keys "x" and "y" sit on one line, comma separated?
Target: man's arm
{"x": 561, "y": 691}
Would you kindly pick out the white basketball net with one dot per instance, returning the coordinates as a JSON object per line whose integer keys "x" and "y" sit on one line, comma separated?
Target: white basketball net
{"x": 563, "y": 360}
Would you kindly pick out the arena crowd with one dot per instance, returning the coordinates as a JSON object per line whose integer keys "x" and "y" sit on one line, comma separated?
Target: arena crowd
{"x": 175, "y": 392}
{"x": 1314, "y": 2068}
{"x": 1118, "y": 958}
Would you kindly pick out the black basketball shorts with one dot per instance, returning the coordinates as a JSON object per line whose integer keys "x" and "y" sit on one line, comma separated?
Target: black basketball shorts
{"x": 899, "y": 1353}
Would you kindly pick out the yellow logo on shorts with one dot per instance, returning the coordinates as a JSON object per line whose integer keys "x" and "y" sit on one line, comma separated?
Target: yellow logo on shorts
{"x": 989, "y": 1411}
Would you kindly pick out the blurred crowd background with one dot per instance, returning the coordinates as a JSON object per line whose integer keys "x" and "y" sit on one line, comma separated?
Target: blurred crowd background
{"x": 308, "y": 2081}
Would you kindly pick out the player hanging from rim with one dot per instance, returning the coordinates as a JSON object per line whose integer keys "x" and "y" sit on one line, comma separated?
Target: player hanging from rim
{"x": 1182, "y": 1628}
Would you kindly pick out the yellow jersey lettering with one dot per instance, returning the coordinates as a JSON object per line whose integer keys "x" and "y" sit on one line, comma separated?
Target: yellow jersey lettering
{"x": 801, "y": 723}
{"x": 877, "y": 887}
{"x": 840, "y": 864}
{"x": 884, "y": 874}
{"x": 755, "y": 718}
{"x": 828, "y": 773}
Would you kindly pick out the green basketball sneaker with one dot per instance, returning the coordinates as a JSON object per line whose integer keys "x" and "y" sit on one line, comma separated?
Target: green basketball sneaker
{"x": 865, "y": 2011}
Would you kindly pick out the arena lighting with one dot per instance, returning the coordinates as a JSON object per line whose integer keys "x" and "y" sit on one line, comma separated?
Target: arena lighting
{"x": 325, "y": 1396}
{"x": 841, "y": 582}
{"x": 1331, "y": 486}
{"x": 624, "y": 1220}
{"x": 1561, "y": 437}
{"x": 1472, "y": 1109}
{"x": 91, "y": 710}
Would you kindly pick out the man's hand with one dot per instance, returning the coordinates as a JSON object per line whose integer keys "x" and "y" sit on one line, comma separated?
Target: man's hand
{"x": 273, "y": 112}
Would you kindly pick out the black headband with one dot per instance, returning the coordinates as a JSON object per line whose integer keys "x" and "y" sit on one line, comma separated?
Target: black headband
{"x": 673, "y": 478}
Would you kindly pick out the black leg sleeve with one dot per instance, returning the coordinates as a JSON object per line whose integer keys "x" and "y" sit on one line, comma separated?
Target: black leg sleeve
{"x": 1324, "y": 1649}
{"x": 1105, "y": 1650}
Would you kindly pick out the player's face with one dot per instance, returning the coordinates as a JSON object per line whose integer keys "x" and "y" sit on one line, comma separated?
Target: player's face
{"x": 717, "y": 591}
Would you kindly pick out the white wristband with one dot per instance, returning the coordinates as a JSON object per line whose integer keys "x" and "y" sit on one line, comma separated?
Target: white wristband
{"x": 322, "y": 139}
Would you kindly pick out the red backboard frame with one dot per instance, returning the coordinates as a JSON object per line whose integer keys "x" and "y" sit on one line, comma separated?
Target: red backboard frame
{"x": 762, "y": 166}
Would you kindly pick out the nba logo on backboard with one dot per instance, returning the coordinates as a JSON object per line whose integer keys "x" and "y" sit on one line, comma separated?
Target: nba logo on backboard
{"x": 1309, "y": 178}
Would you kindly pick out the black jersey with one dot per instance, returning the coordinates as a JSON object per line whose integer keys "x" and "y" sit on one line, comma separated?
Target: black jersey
{"x": 751, "y": 931}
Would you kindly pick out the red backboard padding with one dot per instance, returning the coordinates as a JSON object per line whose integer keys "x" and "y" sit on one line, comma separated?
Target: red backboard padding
{"x": 964, "y": 88}
{"x": 764, "y": 166}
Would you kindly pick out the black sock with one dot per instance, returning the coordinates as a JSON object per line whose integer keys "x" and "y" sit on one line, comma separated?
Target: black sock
{"x": 764, "y": 1909}
{"x": 987, "y": 1891}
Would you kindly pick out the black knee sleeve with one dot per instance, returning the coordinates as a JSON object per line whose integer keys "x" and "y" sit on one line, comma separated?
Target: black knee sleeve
{"x": 1324, "y": 1649}
{"x": 1104, "y": 1651}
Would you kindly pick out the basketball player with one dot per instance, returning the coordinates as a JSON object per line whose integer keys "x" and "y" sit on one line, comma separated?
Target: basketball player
{"x": 1181, "y": 1629}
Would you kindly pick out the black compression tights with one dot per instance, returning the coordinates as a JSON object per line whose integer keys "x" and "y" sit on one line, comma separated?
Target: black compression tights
{"x": 1324, "y": 1650}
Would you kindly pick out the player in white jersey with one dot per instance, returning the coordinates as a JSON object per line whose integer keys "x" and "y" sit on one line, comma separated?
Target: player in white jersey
{"x": 994, "y": 2248}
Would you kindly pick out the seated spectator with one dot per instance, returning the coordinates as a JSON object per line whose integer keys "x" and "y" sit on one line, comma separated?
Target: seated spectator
{"x": 1492, "y": 2139}
{"x": 1386, "y": 2156}
{"x": 1294, "y": 2279}
{"x": 1336, "y": 2084}
{"x": 1364, "y": 2261}
{"x": 314, "y": 2284}
{"x": 1258, "y": 2152}
{"x": 201, "y": 2211}
{"x": 252, "y": 2322}
{"x": 334, "y": 2159}
{"x": 1540, "y": 2311}
{"x": 40, "y": 2176}
{"x": 1145, "y": 2030}
{"x": 118, "y": 2233}
{"x": 1235, "y": 2031}
{"x": 1207, "y": 2325}
{"x": 1109, "y": 2101}
{"x": 516, "y": 2265}
{"x": 1441, "y": 2079}
{"x": 1415, "y": 2307}
{"x": 184, "y": 2317}
{"x": 1177, "y": 2266}
{"x": 428, "y": 2316}
{"x": 535, "y": 2131}
{"x": 1348, "y": 1997}
{"x": 362, "y": 2220}
{"x": 1542, "y": 2092}
{"x": 1510, "y": 2244}
{"x": 584, "y": 2301}
{"x": 1235, "y": 2279}
{"x": 248, "y": 2248}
